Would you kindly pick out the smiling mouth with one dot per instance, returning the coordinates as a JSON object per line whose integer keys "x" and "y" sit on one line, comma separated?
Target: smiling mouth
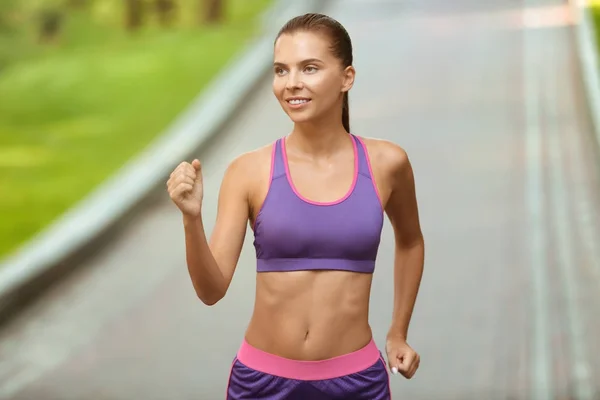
{"x": 296, "y": 102}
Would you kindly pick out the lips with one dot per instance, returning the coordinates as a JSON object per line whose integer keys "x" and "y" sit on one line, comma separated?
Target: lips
{"x": 298, "y": 101}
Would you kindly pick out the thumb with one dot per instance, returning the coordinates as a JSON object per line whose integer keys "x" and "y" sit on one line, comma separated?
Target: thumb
{"x": 393, "y": 362}
{"x": 196, "y": 164}
{"x": 198, "y": 167}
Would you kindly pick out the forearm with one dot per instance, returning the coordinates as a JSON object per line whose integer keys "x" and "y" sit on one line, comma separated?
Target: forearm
{"x": 204, "y": 271}
{"x": 408, "y": 270}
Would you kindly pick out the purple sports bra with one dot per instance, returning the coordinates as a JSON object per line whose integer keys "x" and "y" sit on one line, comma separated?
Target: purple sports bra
{"x": 292, "y": 233}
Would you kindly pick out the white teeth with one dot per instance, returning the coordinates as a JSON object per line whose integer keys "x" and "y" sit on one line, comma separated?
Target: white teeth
{"x": 298, "y": 101}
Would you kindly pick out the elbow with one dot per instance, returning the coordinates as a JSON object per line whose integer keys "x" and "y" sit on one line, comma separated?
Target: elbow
{"x": 209, "y": 302}
{"x": 416, "y": 241}
{"x": 210, "y": 299}
{"x": 419, "y": 240}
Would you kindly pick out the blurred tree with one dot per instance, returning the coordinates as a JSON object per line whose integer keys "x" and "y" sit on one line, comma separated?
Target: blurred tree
{"x": 108, "y": 12}
{"x": 134, "y": 14}
{"x": 5, "y": 25}
{"x": 213, "y": 11}
{"x": 166, "y": 11}
{"x": 7, "y": 7}
{"x": 78, "y": 4}
{"x": 50, "y": 24}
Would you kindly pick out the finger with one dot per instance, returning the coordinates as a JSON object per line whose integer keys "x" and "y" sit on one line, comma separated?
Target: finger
{"x": 415, "y": 367}
{"x": 184, "y": 178}
{"x": 183, "y": 172}
{"x": 406, "y": 362}
{"x": 181, "y": 189}
{"x": 411, "y": 373}
{"x": 412, "y": 367}
{"x": 197, "y": 173}
{"x": 179, "y": 167}
{"x": 177, "y": 180}
{"x": 392, "y": 362}
{"x": 187, "y": 169}
{"x": 196, "y": 164}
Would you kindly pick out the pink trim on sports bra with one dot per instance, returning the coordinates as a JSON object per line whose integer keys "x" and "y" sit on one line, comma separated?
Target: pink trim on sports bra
{"x": 319, "y": 203}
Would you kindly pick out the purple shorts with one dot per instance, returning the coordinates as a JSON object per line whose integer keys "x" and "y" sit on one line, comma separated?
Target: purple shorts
{"x": 361, "y": 375}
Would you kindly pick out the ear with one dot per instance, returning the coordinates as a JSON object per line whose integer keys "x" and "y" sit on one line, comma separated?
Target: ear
{"x": 349, "y": 74}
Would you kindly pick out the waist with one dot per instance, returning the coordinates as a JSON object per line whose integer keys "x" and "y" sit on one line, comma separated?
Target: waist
{"x": 311, "y": 264}
{"x": 310, "y": 314}
{"x": 329, "y": 368}
{"x": 308, "y": 339}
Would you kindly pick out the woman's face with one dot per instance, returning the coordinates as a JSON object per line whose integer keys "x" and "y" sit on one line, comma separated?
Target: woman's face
{"x": 308, "y": 80}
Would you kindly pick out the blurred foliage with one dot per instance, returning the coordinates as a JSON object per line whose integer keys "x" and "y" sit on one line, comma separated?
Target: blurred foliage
{"x": 75, "y": 109}
{"x": 24, "y": 22}
{"x": 595, "y": 8}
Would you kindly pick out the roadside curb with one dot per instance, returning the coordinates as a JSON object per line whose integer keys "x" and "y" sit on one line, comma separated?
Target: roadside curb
{"x": 587, "y": 51}
{"x": 56, "y": 250}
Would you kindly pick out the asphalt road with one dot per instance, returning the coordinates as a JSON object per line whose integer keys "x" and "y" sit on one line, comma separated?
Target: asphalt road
{"x": 486, "y": 98}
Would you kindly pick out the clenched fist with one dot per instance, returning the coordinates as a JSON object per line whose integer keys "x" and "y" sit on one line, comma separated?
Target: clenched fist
{"x": 185, "y": 187}
{"x": 401, "y": 357}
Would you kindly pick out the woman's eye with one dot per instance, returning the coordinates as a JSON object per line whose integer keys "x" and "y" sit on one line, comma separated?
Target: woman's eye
{"x": 310, "y": 69}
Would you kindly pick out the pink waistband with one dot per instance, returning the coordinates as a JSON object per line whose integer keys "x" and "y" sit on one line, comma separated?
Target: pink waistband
{"x": 309, "y": 370}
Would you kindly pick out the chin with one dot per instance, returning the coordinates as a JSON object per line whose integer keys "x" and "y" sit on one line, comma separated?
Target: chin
{"x": 300, "y": 118}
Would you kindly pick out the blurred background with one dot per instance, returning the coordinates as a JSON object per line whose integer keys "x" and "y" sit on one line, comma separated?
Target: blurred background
{"x": 495, "y": 101}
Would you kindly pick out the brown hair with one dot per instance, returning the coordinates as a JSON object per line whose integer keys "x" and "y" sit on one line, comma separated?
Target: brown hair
{"x": 341, "y": 45}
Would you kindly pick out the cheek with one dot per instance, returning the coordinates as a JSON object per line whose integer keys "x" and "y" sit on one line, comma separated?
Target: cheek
{"x": 328, "y": 89}
{"x": 317, "y": 83}
{"x": 278, "y": 87}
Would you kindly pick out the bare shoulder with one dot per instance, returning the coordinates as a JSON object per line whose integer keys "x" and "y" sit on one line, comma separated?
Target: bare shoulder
{"x": 246, "y": 165}
{"x": 248, "y": 171}
{"x": 401, "y": 203}
{"x": 388, "y": 157}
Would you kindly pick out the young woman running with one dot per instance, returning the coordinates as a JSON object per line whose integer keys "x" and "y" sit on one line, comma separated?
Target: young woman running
{"x": 315, "y": 200}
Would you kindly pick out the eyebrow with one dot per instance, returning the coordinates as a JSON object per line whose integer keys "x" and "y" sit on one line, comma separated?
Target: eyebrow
{"x": 307, "y": 61}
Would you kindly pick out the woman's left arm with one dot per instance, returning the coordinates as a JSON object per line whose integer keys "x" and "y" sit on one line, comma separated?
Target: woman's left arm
{"x": 403, "y": 214}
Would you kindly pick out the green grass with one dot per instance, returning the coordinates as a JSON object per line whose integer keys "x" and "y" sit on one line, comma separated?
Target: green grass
{"x": 72, "y": 114}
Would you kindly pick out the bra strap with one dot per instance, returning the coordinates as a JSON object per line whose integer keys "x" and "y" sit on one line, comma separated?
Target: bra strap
{"x": 278, "y": 164}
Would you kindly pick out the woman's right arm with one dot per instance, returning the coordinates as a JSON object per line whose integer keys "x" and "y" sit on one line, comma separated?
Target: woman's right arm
{"x": 211, "y": 264}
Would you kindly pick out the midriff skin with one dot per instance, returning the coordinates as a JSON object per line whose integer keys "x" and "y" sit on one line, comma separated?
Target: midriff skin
{"x": 310, "y": 315}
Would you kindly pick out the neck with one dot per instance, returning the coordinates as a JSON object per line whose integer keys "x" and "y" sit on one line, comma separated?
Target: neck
{"x": 318, "y": 137}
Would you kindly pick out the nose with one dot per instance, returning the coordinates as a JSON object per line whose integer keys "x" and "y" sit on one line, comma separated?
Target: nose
{"x": 294, "y": 81}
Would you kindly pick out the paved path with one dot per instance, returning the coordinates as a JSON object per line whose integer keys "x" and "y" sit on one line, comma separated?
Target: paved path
{"x": 486, "y": 98}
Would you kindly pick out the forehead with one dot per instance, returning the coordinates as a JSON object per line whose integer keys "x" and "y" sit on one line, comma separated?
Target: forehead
{"x": 297, "y": 46}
